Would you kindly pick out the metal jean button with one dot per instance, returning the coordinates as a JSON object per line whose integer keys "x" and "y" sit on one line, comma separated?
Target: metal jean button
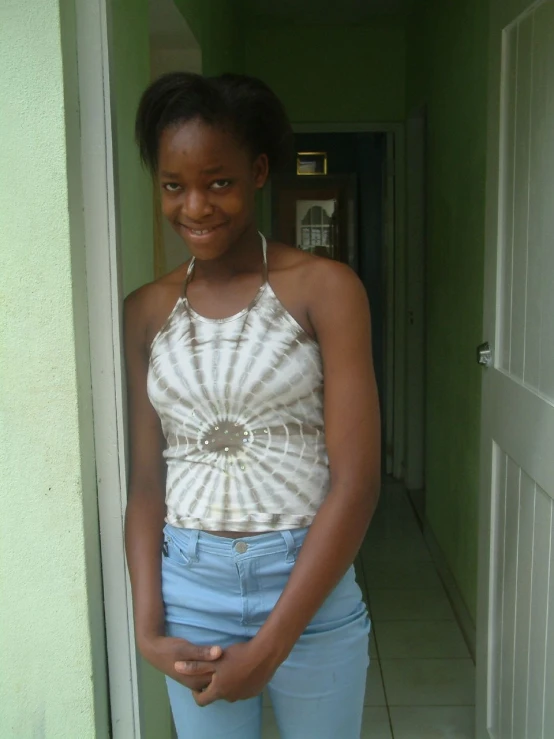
{"x": 241, "y": 547}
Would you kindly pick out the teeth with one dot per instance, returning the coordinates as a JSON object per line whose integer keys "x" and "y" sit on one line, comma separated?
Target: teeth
{"x": 200, "y": 233}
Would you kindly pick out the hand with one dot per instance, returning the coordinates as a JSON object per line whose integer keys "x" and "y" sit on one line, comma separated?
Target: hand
{"x": 240, "y": 673}
{"x": 164, "y": 651}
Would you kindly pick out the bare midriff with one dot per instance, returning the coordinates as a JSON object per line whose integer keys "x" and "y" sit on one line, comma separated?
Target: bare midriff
{"x": 237, "y": 534}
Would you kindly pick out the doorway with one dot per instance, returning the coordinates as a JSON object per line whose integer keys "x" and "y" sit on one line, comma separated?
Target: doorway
{"x": 126, "y": 676}
{"x": 365, "y": 178}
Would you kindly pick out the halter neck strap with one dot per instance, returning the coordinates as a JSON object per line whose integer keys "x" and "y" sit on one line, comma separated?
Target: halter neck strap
{"x": 265, "y": 271}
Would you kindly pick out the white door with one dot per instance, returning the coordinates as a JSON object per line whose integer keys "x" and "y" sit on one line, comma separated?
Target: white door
{"x": 515, "y": 650}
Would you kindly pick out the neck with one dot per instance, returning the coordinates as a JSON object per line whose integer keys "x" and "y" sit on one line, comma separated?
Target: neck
{"x": 244, "y": 255}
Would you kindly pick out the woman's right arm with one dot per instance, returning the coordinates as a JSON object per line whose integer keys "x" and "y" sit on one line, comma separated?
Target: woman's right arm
{"x": 146, "y": 507}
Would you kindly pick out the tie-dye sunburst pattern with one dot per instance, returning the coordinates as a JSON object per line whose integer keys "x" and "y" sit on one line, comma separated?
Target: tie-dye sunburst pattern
{"x": 241, "y": 405}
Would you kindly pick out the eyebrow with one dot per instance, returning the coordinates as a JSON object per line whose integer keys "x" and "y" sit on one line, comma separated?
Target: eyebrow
{"x": 213, "y": 170}
{"x": 209, "y": 171}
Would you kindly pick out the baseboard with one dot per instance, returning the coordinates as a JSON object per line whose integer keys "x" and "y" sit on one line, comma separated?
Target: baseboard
{"x": 461, "y": 612}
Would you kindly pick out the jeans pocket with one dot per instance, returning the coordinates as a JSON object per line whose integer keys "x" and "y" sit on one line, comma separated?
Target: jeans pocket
{"x": 173, "y": 551}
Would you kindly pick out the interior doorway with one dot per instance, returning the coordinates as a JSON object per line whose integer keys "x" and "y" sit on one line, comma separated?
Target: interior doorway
{"x": 364, "y": 178}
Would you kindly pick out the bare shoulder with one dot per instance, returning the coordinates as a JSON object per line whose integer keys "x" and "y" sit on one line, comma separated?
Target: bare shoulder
{"x": 318, "y": 278}
{"x": 147, "y": 307}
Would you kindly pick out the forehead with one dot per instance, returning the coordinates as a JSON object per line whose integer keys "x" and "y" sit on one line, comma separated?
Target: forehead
{"x": 196, "y": 145}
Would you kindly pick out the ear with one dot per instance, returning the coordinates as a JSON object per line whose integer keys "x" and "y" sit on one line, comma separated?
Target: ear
{"x": 260, "y": 170}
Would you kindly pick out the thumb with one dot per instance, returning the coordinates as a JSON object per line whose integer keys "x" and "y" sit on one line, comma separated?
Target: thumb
{"x": 206, "y": 696}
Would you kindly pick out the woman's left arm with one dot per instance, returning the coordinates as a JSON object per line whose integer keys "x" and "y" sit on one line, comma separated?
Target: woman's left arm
{"x": 339, "y": 313}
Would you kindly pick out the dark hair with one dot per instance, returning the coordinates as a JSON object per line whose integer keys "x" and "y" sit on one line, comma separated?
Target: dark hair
{"x": 242, "y": 105}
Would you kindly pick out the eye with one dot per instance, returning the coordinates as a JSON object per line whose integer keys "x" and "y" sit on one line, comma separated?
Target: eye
{"x": 220, "y": 184}
{"x": 171, "y": 187}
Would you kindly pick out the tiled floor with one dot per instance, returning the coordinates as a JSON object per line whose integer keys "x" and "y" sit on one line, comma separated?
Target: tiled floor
{"x": 421, "y": 678}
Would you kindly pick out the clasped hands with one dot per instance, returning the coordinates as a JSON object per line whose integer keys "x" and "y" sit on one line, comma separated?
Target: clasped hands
{"x": 236, "y": 673}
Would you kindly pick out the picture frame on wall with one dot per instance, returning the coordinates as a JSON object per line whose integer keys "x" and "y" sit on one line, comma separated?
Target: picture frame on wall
{"x": 311, "y": 163}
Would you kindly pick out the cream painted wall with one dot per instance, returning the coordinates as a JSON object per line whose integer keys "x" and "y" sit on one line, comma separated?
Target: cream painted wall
{"x": 52, "y": 654}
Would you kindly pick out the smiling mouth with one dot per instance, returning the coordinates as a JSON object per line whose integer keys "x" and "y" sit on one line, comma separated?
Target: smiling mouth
{"x": 200, "y": 231}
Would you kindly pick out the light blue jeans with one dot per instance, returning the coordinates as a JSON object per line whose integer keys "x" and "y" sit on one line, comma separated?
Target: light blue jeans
{"x": 219, "y": 591}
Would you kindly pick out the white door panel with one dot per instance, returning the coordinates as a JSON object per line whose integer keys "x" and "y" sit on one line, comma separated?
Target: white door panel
{"x": 515, "y": 665}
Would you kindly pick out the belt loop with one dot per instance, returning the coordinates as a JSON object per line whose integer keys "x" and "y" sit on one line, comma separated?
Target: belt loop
{"x": 192, "y": 546}
{"x": 291, "y": 545}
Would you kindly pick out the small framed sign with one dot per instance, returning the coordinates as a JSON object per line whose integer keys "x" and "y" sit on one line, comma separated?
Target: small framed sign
{"x": 311, "y": 163}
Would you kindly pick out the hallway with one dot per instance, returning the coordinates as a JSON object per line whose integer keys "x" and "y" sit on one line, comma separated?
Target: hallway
{"x": 421, "y": 676}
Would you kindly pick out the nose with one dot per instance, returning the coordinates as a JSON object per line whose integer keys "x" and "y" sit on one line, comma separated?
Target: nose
{"x": 196, "y": 205}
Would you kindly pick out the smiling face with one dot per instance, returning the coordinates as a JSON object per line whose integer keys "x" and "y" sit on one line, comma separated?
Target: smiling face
{"x": 208, "y": 184}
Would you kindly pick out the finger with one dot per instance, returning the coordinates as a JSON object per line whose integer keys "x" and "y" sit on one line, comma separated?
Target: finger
{"x": 194, "y": 667}
{"x": 185, "y": 651}
{"x": 205, "y": 697}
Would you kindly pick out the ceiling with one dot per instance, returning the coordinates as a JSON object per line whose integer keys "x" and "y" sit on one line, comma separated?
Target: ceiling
{"x": 328, "y": 11}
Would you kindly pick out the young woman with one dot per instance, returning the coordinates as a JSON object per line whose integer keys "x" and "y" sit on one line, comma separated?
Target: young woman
{"x": 254, "y": 428}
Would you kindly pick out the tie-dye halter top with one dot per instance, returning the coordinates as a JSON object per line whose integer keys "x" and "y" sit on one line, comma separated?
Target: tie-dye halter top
{"x": 241, "y": 405}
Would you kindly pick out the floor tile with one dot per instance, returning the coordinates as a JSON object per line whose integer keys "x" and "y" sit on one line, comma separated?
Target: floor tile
{"x": 425, "y": 639}
{"x": 392, "y": 528}
{"x": 417, "y": 498}
{"x": 401, "y": 575}
{"x": 372, "y": 645}
{"x": 410, "y": 605}
{"x": 429, "y": 682}
{"x": 389, "y": 483}
{"x": 412, "y": 548}
{"x": 269, "y": 725}
{"x": 393, "y": 509}
{"x": 374, "y": 692}
{"x": 448, "y": 722}
{"x": 375, "y": 724}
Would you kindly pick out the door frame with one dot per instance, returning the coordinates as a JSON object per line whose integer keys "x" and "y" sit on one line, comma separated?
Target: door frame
{"x": 416, "y": 234}
{"x": 102, "y": 246}
{"x": 102, "y": 254}
{"x": 395, "y": 280}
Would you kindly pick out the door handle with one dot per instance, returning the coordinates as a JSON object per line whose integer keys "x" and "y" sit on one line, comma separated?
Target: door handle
{"x": 484, "y": 354}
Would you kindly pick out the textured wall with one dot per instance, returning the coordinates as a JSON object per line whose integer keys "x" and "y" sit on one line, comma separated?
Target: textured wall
{"x": 52, "y": 674}
{"x": 447, "y": 67}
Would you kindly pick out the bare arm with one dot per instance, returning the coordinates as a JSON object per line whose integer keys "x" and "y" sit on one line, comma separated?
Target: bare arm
{"x": 146, "y": 503}
{"x": 339, "y": 313}
{"x": 341, "y": 319}
{"x": 146, "y": 512}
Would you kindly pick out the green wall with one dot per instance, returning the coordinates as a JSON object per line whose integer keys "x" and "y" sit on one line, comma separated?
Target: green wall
{"x": 218, "y": 26}
{"x": 131, "y": 75}
{"x": 322, "y": 73}
{"x": 52, "y": 651}
{"x": 331, "y": 73}
{"x": 447, "y": 68}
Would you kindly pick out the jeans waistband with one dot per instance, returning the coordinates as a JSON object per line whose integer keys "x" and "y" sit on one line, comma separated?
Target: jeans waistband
{"x": 191, "y": 541}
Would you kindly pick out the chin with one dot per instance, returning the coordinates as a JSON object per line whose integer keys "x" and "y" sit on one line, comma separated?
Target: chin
{"x": 210, "y": 246}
